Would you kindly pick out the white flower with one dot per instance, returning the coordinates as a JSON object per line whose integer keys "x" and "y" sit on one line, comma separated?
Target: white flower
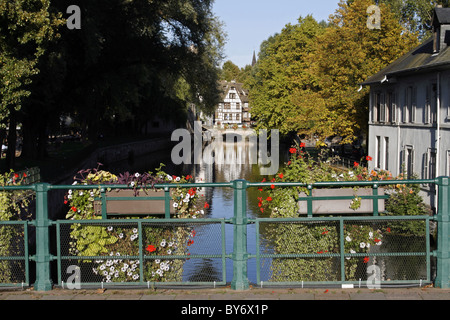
{"x": 137, "y": 175}
{"x": 133, "y": 236}
{"x": 362, "y": 245}
{"x": 135, "y": 230}
{"x": 135, "y": 277}
{"x": 170, "y": 244}
{"x": 169, "y": 178}
{"x": 157, "y": 261}
{"x": 169, "y": 251}
{"x": 177, "y": 179}
{"x": 163, "y": 243}
{"x": 102, "y": 267}
{"x": 379, "y": 243}
{"x": 175, "y": 204}
{"x": 348, "y": 238}
{"x": 80, "y": 193}
{"x": 121, "y": 235}
{"x": 75, "y": 182}
{"x": 70, "y": 191}
{"x": 132, "y": 184}
{"x": 92, "y": 194}
{"x": 185, "y": 200}
{"x": 110, "y": 228}
{"x": 370, "y": 235}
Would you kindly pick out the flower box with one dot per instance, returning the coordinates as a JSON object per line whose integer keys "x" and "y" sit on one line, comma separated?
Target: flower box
{"x": 340, "y": 206}
{"x": 125, "y": 202}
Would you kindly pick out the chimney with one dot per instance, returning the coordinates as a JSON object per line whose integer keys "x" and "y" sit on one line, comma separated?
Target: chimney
{"x": 441, "y": 29}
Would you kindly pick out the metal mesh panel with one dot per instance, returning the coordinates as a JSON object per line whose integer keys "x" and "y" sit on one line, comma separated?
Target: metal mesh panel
{"x": 12, "y": 254}
{"x": 398, "y": 249}
{"x": 120, "y": 251}
{"x": 311, "y": 251}
{"x": 299, "y": 251}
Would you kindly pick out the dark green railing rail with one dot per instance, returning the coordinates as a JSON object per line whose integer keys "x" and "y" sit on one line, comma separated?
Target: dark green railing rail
{"x": 240, "y": 221}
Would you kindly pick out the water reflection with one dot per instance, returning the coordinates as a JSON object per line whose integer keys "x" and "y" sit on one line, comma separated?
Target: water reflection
{"x": 239, "y": 163}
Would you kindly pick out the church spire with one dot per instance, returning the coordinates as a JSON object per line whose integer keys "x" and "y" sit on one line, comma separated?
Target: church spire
{"x": 254, "y": 59}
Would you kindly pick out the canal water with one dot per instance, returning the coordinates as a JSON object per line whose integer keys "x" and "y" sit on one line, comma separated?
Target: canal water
{"x": 221, "y": 201}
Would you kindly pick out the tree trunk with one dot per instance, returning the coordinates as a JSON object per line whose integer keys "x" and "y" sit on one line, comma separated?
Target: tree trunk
{"x": 12, "y": 138}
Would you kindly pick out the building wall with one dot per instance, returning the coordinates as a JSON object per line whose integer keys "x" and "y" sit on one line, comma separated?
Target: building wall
{"x": 412, "y": 126}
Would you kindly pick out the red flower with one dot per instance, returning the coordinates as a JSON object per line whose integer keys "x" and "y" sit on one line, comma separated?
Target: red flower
{"x": 188, "y": 177}
{"x": 302, "y": 145}
{"x": 74, "y": 209}
{"x": 150, "y": 248}
{"x": 16, "y": 175}
{"x": 260, "y": 204}
{"x": 325, "y": 231}
{"x": 206, "y": 205}
{"x": 65, "y": 201}
{"x": 260, "y": 189}
{"x": 369, "y": 158}
{"x": 269, "y": 199}
{"x": 262, "y": 209}
{"x": 289, "y": 163}
{"x": 191, "y": 191}
{"x": 190, "y": 242}
{"x": 388, "y": 229}
{"x": 272, "y": 186}
{"x": 24, "y": 174}
{"x": 356, "y": 164}
{"x": 281, "y": 175}
{"x": 292, "y": 150}
{"x": 366, "y": 259}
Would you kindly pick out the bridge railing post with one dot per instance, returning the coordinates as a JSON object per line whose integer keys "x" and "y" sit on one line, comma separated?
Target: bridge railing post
{"x": 240, "y": 254}
{"x": 43, "y": 257}
{"x": 443, "y": 234}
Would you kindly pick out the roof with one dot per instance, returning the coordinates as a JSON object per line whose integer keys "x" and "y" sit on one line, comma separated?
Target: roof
{"x": 225, "y": 86}
{"x": 421, "y": 58}
{"x": 441, "y": 16}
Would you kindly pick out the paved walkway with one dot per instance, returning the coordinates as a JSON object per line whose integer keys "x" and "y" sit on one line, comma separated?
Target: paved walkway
{"x": 221, "y": 294}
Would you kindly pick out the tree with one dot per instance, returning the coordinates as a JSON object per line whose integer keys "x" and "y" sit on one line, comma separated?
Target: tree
{"x": 347, "y": 54}
{"x": 130, "y": 61}
{"x": 26, "y": 29}
{"x": 307, "y": 78}
{"x": 282, "y": 69}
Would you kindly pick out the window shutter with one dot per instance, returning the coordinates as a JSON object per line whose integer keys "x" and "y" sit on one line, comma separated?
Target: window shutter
{"x": 413, "y": 104}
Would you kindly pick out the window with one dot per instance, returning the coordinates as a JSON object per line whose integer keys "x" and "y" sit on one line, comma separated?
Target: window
{"x": 430, "y": 164}
{"x": 431, "y": 104}
{"x": 227, "y": 105}
{"x": 386, "y": 153}
{"x": 232, "y": 95}
{"x": 408, "y": 161}
{"x": 378, "y": 152}
{"x": 391, "y": 107}
{"x": 448, "y": 163}
{"x": 409, "y": 106}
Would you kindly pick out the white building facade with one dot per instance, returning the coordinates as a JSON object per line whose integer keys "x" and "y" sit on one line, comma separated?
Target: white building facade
{"x": 234, "y": 107}
{"x": 409, "y": 117}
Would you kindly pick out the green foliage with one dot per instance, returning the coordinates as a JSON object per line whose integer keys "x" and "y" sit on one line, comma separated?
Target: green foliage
{"x": 13, "y": 207}
{"x": 307, "y": 77}
{"x": 119, "y": 239}
{"x": 26, "y": 28}
{"x": 319, "y": 239}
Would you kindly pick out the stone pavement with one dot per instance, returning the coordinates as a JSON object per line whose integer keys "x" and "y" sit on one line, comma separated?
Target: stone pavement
{"x": 225, "y": 293}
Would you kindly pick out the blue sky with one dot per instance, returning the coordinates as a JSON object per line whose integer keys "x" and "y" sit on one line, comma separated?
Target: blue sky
{"x": 249, "y": 22}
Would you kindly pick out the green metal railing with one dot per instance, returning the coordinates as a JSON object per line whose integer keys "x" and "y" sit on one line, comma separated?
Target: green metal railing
{"x": 240, "y": 256}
